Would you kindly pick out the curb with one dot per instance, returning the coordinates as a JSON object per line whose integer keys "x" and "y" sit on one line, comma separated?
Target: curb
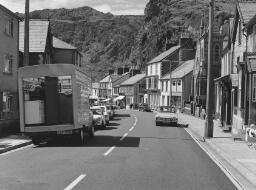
{"x": 15, "y": 147}
{"x": 241, "y": 175}
{"x": 250, "y": 176}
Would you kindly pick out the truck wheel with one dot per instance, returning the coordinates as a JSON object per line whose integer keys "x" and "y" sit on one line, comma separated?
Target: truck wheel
{"x": 36, "y": 141}
{"x": 91, "y": 131}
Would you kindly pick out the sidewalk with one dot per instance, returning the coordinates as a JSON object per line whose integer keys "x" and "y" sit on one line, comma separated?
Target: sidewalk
{"x": 13, "y": 142}
{"x": 235, "y": 156}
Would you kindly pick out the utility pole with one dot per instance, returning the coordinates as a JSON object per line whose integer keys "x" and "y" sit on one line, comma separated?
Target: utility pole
{"x": 208, "y": 132}
{"x": 26, "y": 35}
{"x": 170, "y": 85}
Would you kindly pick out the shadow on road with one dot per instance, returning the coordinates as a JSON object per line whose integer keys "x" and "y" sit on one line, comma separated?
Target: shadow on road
{"x": 116, "y": 119}
{"x": 113, "y": 124}
{"x": 106, "y": 128}
{"x": 122, "y": 115}
{"x": 96, "y": 141}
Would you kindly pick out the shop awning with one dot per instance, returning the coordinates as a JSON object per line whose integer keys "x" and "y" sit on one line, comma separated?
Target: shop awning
{"x": 225, "y": 78}
{"x": 106, "y": 100}
{"x": 118, "y": 98}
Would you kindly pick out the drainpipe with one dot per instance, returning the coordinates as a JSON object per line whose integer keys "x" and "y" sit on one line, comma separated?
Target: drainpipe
{"x": 246, "y": 113}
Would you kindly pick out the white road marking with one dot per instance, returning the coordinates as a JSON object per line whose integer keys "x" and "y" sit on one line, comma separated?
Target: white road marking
{"x": 125, "y": 135}
{"x": 15, "y": 150}
{"x": 109, "y": 150}
{"x": 131, "y": 128}
{"x": 224, "y": 169}
{"x": 75, "y": 182}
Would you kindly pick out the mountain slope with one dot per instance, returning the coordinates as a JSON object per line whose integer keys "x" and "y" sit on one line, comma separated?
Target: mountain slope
{"x": 165, "y": 19}
{"x": 104, "y": 39}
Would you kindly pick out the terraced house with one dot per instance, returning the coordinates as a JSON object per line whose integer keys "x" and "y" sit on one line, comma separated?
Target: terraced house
{"x": 160, "y": 66}
{"x": 9, "y": 61}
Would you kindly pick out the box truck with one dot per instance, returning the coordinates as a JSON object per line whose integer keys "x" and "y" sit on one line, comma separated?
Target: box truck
{"x": 54, "y": 100}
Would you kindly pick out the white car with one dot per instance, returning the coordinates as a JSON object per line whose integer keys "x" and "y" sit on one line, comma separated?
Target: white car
{"x": 110, "y": 111}
{"x": 98, "y": 117}
{"x": 166, "y": 116}
{"x": 105, "y": 113}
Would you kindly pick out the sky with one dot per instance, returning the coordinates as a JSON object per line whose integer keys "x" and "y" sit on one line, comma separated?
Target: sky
{"x": 116, "y": 7}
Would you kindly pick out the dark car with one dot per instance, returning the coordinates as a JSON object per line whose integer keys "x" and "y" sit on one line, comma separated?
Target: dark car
{"x": 144, "y": 107}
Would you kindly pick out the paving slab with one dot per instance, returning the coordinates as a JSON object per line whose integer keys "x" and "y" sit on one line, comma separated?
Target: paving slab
{"x": 13, "y": 142}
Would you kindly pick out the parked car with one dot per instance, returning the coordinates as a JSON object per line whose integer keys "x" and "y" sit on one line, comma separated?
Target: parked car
{"x": 98, "y": 117}
{"x": 144, "y": 107}
{"x": 110, "y": 111}
{"x": 166, "y": 116}
{"x": 105, "y": 112}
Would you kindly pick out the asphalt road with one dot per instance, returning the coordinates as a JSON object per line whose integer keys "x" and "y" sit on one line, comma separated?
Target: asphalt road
{"x": 132, "y": 153}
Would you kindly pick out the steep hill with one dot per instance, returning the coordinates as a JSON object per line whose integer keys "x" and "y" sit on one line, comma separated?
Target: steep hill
{"x": 165, "y": 19}
{"x": 105, "y": 40}
{"x": 109, "y": 41}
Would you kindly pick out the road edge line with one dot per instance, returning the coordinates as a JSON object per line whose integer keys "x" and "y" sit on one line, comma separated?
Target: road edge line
{"x": 225, "y": 170}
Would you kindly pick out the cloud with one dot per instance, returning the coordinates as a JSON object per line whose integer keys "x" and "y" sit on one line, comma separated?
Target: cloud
{"x": 117, "y": 7}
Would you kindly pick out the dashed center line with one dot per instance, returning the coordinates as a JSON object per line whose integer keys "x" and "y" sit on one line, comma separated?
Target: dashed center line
{"x": 125, "y": 135}
{"x": 75, "y": 182}
{"x": 109, "y": 150}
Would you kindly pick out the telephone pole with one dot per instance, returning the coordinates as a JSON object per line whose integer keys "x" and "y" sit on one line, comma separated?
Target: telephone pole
{"x": 26, "y": 35}
{"x": 170, "y": 85}
{"x": 208, "y": 133}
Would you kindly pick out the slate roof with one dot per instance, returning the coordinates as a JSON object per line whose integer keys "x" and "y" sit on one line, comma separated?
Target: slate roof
{"x": 57, "y": 43}
{"x": 247, "y": 10}
{"x": 10, "y": 12}
{"x": 123, "y": 77}
{"x": 133, "y": 80}
{"x": 181, "y": 71}
{"x": 165, "y": 54}
{"x": 38, "y": 30}
{"x": 113, "y": 78}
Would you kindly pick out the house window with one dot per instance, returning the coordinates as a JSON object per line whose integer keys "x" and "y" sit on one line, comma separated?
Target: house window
{"x": 166, "y": 86}
{"x": 156, "y": 69}
{"x": 179, "y": 82}
{"x": 162, "y": 86}
{"x": 151, "y": 69}
{"x": 254, "y": 88}
{"x": 8, "y": 64}
{"x": 9, "y": 27}
{"x": 7, "y": 101}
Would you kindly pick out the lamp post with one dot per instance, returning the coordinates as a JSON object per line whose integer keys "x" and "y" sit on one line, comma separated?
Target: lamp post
{"x": 26, "y": 35}
{"x": 208, "y": 133}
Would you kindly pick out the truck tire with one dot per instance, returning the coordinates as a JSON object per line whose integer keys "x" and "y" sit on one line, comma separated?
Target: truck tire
{"x": 91, "y": 131}
{"x": 36, "y": 140}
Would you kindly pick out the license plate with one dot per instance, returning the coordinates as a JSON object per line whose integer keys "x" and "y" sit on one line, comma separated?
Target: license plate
{"x": 67, "y": 132}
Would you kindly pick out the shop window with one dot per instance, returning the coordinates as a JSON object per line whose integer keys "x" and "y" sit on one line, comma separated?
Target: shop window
{"x": 7, "y": 101}
{"x": 254, "y": 88}
{"x": 8, "y": 61}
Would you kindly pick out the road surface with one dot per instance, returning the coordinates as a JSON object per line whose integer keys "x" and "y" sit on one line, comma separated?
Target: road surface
{"x": 130, "y": 154}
